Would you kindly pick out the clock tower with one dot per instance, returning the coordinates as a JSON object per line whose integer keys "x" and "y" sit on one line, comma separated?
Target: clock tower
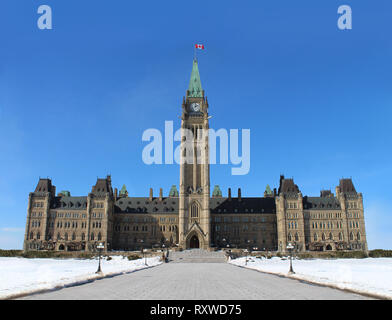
{"x": 194, "y": 206}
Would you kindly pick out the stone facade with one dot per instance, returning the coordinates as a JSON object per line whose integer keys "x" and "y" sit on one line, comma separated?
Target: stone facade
{"x": 191, "y": 217}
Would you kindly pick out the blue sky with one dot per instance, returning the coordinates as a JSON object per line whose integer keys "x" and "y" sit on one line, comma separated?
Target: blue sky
{"x": 75, "y": 100}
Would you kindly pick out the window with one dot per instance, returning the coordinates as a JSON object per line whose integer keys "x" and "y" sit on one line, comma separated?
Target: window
{"x": 194, "y": 211}
{"x": 296, "y": 237}
{"x": 99, "y": 237}
{"x": 340, "y": 236}
{"x": 358, "y": 236}
{"x": 323, "y": 237}
{"x": 351, "y": 236}
{"x": 289, "y": 237}
{"x": 330, "y": 236}
{"x": 92, "y": 236}
{"x": 315, "y": 237}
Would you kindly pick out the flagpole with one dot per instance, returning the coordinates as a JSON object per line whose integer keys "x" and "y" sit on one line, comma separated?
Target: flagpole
{"x": 194, "y": 53}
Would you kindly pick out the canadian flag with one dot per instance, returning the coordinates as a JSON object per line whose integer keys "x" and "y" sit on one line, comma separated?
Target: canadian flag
{"x": 199, "y": 46}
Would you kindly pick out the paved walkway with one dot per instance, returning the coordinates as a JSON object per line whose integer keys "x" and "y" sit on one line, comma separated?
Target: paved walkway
{"x": 197, "y": 256}
{"x": 197, "y": 281}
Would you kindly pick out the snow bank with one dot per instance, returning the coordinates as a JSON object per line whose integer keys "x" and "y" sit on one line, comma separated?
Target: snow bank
{"x": 369, "y": 276}
{"x": 21, "y": 275}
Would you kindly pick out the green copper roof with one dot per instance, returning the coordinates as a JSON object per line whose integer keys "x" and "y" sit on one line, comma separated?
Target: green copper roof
{"x": 217, "y": 191}
{"x": 173, "y": 191}
{"x": 268, "y": 189}
{"x": 195, "y": 89}
{"x": 123, "y": 190}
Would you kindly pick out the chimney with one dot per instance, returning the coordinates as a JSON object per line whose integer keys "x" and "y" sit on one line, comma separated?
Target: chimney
{"x": 160, "y": 194}
{"x": 239, "y": 194}
{"x": 229, "y": 194}
{"x": 115, "y": 194}
{"x": 151, "y": 194}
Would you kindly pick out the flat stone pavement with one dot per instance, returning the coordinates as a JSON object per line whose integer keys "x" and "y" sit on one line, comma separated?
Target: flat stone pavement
{"x": 197, "y": 281}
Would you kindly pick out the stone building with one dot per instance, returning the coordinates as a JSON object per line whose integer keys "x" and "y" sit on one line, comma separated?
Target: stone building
{"x": 192, "y": 217}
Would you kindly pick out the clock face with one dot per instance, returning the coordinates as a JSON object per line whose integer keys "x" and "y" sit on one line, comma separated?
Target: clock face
{"x": 195, "y": 107}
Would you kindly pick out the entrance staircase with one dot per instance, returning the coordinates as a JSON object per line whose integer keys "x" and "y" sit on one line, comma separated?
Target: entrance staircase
{"x": 197, "y": 256}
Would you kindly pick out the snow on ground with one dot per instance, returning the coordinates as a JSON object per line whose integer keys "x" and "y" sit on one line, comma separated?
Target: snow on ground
{"x": 21, "y": 275}
{"x": 369, "y": 275}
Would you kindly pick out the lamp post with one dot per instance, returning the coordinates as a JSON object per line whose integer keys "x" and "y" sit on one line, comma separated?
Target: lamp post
{"x": 163, "y": 253}
{"x": 290, "y": 247}
{"x": 143, "y": 251}
{"x": 100, "y": 246}
{"x": 246, "y": 259}
{"x": 145, "y": 258}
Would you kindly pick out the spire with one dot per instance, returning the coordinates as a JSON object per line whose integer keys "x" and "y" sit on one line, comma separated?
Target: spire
{"x": 195, "y": 89}
{"x": 123, "y": 191}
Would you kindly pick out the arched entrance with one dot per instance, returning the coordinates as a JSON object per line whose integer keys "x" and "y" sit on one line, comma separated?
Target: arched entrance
{"x": 328, "y": 248}
{"x": 194, "y": 242}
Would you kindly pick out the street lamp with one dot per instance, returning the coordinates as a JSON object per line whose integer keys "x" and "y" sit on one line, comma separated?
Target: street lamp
{"x": 246, "y": 260}
{"x": 290, "y": 247}
{"x": 100, "y": 246}
{"x": 163, "y": 253}
{"x": 143, "y": 251}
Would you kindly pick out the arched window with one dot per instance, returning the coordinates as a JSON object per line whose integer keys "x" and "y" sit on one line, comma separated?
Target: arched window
{"x": 323, "y": 236}
{"x": 66, "y": 236}
{"x": 340, "y": 236}
{"x": 351, "y": 236}
{"x": 296, "y": 237}
{"x": 92, "y": 236}
{"x": 83, "y": 236}
{"x": 38, "y": 235}
{"x": 31, "y": 235}
{"x": 58, "y": 236}
{"x": 289, "y": 237}
{"x": 195, "y": 212}
{"x": 315, "y": 237}
{"x": 358, "y": 236}
{"x": 330, "y": 236}
{"x": 99, "y": 237}
{"x": 73, "y": 236}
